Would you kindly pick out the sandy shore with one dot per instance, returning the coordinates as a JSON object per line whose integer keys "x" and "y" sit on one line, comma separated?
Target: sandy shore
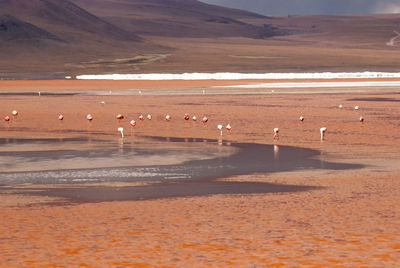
{"x": 84, "y": 85}
{"x": 352, "y": 219}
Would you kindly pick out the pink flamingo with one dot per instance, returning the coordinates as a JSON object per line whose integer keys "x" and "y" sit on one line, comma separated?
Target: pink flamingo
{"x": 141, "y": 117}
{"x": 60, "y": 117}
{"x": 323, "y": 131}
{"x": 220, "y": 129}
{"x": 133, "y": 123}
{"x": 301, "y": 118}
{"x": 205, "y": 119}
{"x": 168, "y": 118}
{"x": 194, "y": 118}
{"x": 186, "y": 117}
{"x": 89, "y": 117}
{"x": 121, "y": 130}
{"x": 228, "y": 127}
{"x": 149, "y": 116}
{"x": 7, "y": 118}
{"x": 276, "y": 133}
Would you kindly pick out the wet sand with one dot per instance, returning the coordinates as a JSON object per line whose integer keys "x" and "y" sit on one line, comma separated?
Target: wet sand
{"x": 347, "y": 218}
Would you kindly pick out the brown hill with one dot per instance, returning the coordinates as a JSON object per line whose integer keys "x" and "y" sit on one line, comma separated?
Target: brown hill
{"x": 102, "y": 36}
{"x": 179, "y": 18}
{"x": 41, "y": 35}
{"x": 62, "y": 17}
{"x": 357, "y": 31}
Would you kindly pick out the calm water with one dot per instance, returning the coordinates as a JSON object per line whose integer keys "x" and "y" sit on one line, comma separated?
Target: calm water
{"x": 171, "y": 167}
{"x": 48, "y": 161}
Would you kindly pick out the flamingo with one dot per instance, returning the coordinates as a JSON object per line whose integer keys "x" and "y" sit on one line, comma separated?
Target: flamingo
{"x": 89, "y": 117}
{"x": 194, "y": 118}
{"x": 340, "y": 106}
{"x": 60, "y": 117}
{"x": 168, "y": 117}
{"x": 15, "y": 113}
{"x": 133, "y": 123}
{"x": 323, "y": 130}
{"x": 356, "y": 107}
{"x": 361, "y": 119}
{"x": 119, "y": 116}
{"x": 121, "y": 129}
{"x": 276, "y": 133}
{"x": 205, "y": 119}
{"x": 149, "y": 116}
{"x": 102, "y": 102}
{"x": 220, "y": 129}
{"x": 7, "y": 118}
{"x": 141, "y": 117}
{"x": 301, "y": 118}
{"x": 186, "y": 117}
{"x": 228, "y": 127}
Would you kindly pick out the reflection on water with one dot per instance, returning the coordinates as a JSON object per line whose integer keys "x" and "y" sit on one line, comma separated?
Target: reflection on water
{"x": 84, "y": 160}
{"x": 276, "y": 152}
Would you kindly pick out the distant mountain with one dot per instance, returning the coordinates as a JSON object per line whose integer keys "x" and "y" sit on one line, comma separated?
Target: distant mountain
{"x": 179, "y": 18}
{"x": 57, "y": 34}
{"x": 62, "y": 18}
{"x": 131, "y": 36}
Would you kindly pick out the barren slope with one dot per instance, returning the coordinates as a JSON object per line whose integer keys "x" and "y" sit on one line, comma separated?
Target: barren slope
{"x": 179, "y": 18}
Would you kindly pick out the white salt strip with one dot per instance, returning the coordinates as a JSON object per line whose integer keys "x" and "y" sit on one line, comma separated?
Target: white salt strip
{"x": 237, "y": 76}
{"x": 319, "y": 85}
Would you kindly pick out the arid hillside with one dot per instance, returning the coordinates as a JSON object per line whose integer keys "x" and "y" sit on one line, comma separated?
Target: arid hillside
{"x": 53, "y": 38}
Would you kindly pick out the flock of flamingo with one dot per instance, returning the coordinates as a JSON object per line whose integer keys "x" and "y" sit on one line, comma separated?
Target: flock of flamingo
{"x": 186, "y": 117}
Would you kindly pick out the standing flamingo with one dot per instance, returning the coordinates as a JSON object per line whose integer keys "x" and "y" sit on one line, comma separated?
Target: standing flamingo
{"x": 301, "y": 118}
{"x": 340, "y": 106}
{"x": 119, "y": 116}
{"x": 220, "y": 129}
{"x": 186, "y": 117}
{"x": 60, "y": 117}
{"x": 121, "y": 129}
{"x": 205, "y": 119}
{"x": 141, "y": 117}
{"x": 89, "y": 117}
{"x": 356, "y": 107}
{"x": 323, "y": 130}
{"x": 361, "y": 119}
{"x": 276, "y": 133}
{"x": 149, "y": 116}
{"x": 133, "y": 123}
{"x": 7, "y": 118}
{"x": 15, "y": 113}
{"x": 194, "y": 118}
{"x": 228, "y": 127}
{"x": 168, "y": 118}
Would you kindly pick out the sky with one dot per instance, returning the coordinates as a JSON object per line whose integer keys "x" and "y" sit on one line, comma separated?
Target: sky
{"x": 296, "y": 7}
